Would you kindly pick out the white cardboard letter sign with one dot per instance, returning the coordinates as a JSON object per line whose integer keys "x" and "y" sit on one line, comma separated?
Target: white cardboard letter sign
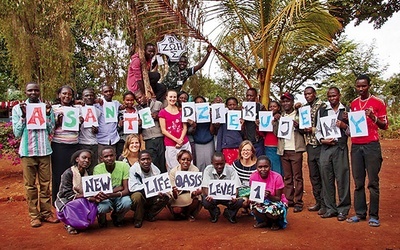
{"x": 94, "y": 184}
{"x": 157, "y": 184}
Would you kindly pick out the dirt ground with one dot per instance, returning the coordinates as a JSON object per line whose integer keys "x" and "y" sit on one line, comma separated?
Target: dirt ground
{"x": 305, "y": 229}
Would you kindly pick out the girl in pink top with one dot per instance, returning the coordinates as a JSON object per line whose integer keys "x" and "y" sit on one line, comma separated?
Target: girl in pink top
{"x": 174, "y": 130}
{"x": 272, "y": 212}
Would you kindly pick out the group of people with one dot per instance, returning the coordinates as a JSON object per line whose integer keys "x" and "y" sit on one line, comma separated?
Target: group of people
{"x": 328, "y": 158}
{"x": 62, "y": 157}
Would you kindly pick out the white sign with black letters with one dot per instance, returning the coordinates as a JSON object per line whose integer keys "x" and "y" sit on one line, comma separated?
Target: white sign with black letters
{"x": 257, "y": 191}
{"x": 329, "y": 128}
{"x": 94, "y": 184}
{"x": 172, "y": 47}
{"x": 218, "y": 112}
{"x": 222, "y": 189}
{"x": 188, "y": 180}
{"x": 157, "y": 184}
{"x": 188, "y": 111}
{"x": 285, "y": 128}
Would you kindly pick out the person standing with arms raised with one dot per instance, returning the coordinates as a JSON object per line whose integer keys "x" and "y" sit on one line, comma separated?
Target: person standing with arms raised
{"x": 178, "y": 73}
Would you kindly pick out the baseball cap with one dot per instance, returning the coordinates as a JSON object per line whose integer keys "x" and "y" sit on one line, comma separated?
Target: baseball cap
{"x": 288, "y": 96}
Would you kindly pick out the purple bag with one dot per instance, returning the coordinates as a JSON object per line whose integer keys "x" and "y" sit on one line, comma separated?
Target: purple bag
{"x": 79, "y": 213}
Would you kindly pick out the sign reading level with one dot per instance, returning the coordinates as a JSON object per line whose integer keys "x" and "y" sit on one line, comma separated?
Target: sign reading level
{"x": 222, "y": 189}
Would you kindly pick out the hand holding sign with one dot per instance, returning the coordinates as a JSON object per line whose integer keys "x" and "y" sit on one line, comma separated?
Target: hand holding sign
{"x": 249, "y": 111}
{"x": 266, "y": 118}
{"x": 305, "y": 117}
{"x": 188, "y": 111}
{"x": 157, "y": 184}
{"x": 94, "y": 184}
{"x": 187, "y": 180}
{"x": 35, "y": 115}
{"x": 358, "y": 124}
{"x": 222, "y": 189}
{"x": 285, "y": 128}
{"x": 257, "y": 191}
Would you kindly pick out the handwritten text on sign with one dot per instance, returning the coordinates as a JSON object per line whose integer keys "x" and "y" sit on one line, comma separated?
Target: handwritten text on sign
{"x": 305, "y": 117}
{"x": 89, "y": 116}
{"x": 222, "y": 189}
{"x": 188, "y": 111}
{"x": 249, "y": 111}
{"x": 266, "y": 118}
{"x": 157, "y": 184}
{"x": 94, "y": 184}
{"x": 202, "y": 112}
{"x": 285, "y": 128}
{"x": 329, "y": 128}
{"x": 131, "y": 123}
{"x": 110, "y": 112}
{"x": 218, "y": 112}
{"x": 187, "y": 180}
{"x": 172, "y": 47}
{"x": 257, "y": 191}
{"x": 233, "y": 122}
{"x": 36, "y": 115}
{"x": 70, "y": 119}
{"x": 147, "y": 119}
{"x": 358, "y": 124}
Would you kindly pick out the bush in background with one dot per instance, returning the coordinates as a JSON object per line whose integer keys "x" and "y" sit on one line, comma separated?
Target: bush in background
{"x": 9, "y": 145}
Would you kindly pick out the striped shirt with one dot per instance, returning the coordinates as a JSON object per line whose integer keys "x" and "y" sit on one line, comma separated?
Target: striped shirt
{"x": 34, "y": 142}
{"x": 243, "y": 172}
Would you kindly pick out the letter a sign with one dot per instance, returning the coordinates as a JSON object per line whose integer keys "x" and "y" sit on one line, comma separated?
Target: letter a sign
{"x": 36, "y": 116}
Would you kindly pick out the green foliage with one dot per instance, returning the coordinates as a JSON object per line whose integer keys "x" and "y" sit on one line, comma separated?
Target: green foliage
{"x": 8, "y": 80}
{"x": 39, "y": 41}
{"x": 373, "y": 11}
{"x": 9, "y": 145}
{"x": 353, "y": 59}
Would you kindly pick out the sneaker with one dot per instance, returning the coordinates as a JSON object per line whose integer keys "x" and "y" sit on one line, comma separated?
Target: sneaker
{"x": 36, "y": 223}
{"x": 51, "y": 219}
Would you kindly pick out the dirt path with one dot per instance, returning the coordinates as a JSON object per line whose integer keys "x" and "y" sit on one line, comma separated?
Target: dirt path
{"x": 305, "y": 229}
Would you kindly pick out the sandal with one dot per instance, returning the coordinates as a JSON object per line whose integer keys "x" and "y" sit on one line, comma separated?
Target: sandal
{"x": 354, "y": 219}
{"x": 70, "y": 229}
{"x": 374, "y": 222}
{"x": 260, "y": 225}
{"x": 191, "y": 218}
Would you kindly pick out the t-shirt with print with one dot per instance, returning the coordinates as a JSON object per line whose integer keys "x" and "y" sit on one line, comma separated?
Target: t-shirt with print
{"x": 174, "y": 125}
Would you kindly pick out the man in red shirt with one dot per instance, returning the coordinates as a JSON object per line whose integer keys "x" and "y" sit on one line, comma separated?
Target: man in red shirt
{"x": 366, "y": 154}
